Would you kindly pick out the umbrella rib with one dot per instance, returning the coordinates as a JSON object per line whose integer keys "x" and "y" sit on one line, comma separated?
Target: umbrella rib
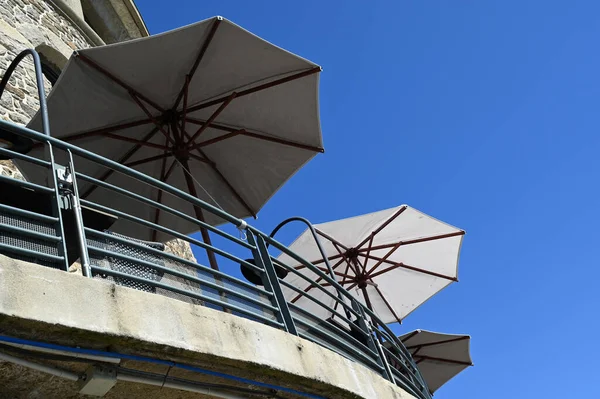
{"x": 200, "y": 159}
{"x": 255, "y": 135}
{"x": 412, "y": 334}
{"x": 390, "y": 252}
{"x": 218, "y": 172}
{"x": 306, "y": 290}
{"x": 96, "y": 132}
{"x": 132, "y": 151}
{"x": 368, "y": 253}
{"x": 211, "y": 119}
{"x": 215, "y": 140}
{"x": 185, "y": 98}
{"x": 264, "y": 86}
{"x": 387, "y": 303}
{"x": 396, "y": 265}
{"x": 334, "y": 257}
{"x": 330, "y": 238}
{"x": 199, "y": 58}
{"x": 345, "y": 258}
{"x": 419, "y": 240}
{"x": 149, "y": 159}
{"x": 151, "y": 117}
{"x": 383, "y": 225}
{"x": 439, "y": 359}
{"x": 282, "y": 141}
{"x": 310, "y": 287}
{"x": 446, "y": 341}
{"x": 135, "y": 141}
{"x": 118, "y": 81}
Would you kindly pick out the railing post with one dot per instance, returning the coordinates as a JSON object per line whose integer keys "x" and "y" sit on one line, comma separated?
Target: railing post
{"x": 373, "y": 343}
{"x": 71, "y": 178}
{"x": 271, "y": 282}
{"x": 39, "y": 78}
{"x": 312, "y": 230}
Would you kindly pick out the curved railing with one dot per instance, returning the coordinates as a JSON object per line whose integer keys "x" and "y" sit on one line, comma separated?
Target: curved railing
{"x": 67, "y": 232}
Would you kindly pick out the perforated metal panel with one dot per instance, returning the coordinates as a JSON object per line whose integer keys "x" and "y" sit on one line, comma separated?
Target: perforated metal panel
{"x": 125, "y": 266}
{"x": 28, "y": 242}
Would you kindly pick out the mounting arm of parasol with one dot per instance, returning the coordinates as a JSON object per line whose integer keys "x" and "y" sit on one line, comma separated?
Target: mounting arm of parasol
{"x": 321, "y": 250}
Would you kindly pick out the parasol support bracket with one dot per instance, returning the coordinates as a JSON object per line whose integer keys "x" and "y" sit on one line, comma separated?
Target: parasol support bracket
{"x": 64, "y": 180}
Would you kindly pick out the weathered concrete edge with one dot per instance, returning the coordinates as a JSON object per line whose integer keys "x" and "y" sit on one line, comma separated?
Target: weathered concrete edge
{"x": 34, "y": 297}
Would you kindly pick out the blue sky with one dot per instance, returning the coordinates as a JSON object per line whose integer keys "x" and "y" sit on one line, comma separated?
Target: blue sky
{"x": 483, "y": 114}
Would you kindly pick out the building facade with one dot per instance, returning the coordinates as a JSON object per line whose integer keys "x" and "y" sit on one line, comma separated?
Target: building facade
{"x": 54, "y": 28}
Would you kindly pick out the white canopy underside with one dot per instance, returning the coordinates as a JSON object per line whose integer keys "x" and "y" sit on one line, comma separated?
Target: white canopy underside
{"x": 249, "y": 170}
{"x": 418, "y": 259}
{"x": 439, "y": 356}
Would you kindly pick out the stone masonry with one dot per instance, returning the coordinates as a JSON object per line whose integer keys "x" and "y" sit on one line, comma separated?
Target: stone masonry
{"x": 36, "y": 24}
{"x": 30, "y": 24}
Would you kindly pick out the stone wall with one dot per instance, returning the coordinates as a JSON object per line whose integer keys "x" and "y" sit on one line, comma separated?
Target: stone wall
{"x": 31, "y": 24}
{"x": 36, "y": 24}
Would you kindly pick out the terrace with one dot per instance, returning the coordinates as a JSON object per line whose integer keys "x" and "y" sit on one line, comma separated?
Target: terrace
{"x": 153, "y": 300}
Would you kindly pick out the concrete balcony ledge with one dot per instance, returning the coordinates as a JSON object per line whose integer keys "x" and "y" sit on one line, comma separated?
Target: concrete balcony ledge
{"x": 57, "y": 307}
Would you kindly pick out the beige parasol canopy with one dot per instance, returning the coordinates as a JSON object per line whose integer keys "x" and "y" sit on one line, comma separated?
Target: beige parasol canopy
{"x": 439, "y": 356}
{"x": 209, "y": 108}
{"x": 392, "y": 261}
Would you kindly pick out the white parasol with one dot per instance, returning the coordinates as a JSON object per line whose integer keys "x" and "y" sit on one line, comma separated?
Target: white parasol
{"x": 392, "y": 261}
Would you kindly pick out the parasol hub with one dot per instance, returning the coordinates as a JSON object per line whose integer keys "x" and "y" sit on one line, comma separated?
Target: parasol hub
{"x": 352, "y": 253}
{"x": 362, "y": 283}
{"x": 181, "y": 153}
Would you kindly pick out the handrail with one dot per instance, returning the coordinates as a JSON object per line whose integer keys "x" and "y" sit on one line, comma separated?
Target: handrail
{"x": 278, "y": 312}
{"x": 32, "y": 134}
{"x": 319, "y": 246}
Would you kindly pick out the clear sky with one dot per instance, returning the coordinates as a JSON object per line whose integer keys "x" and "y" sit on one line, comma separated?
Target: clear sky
{"x": 483, "y": 114}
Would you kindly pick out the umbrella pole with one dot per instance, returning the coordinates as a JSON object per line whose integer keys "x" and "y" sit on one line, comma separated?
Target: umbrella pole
{"x": 199, "y": 214}
{"x": 370, "y": 306}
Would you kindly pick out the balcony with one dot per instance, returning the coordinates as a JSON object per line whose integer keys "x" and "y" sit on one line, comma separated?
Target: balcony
{"x": 135, "y": 308}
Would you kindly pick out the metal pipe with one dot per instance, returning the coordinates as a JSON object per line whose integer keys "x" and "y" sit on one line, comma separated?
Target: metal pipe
{"x": 13, "y": 154}
{"x": 320, "y": 303}
{"x": 83, "y": 249}
{"x": 24, "y": 183}
{"x": 175, "y": 234}
{"x": 27, "y": 232}
{"x": 69, "y": 375}
{"x": 31, "y": 253}
{"x": 158, "y": 205}
{"x": 32, "y": 134}
{"x": 75, "y": 355}
{"x": 6, "y": 339}
{"x": 271, "y": 282}
{"x": 184, "y": 276}
{"x": 194, "y": 265}
{"x": 188, "y": 293}
{"x": 321, "y": 250}
{"x": 22, "y": 212}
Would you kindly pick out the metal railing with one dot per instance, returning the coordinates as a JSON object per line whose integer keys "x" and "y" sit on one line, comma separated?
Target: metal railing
{"x": 59, "y": 235}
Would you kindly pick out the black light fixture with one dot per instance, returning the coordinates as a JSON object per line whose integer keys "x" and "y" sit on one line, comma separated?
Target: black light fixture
{"x": 252, "y": 275}
{"x": 14, "y": 142}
